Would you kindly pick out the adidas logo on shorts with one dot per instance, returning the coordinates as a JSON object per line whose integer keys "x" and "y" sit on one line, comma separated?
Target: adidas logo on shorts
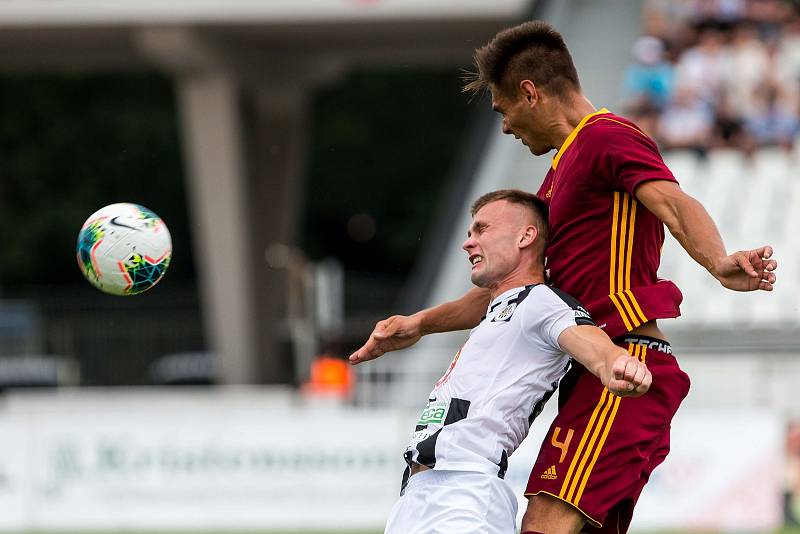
{"x": 550, "y": 474}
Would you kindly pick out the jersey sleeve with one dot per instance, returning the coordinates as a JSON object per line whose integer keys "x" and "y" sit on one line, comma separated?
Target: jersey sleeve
{"x": 557, "y": 312}
{"x": 627, "y": 157}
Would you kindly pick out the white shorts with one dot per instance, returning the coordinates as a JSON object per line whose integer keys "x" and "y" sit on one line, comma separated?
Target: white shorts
{"x": 444, "y": 502}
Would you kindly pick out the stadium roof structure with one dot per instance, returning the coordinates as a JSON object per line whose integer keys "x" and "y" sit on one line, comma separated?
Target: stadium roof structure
{"x": 41, "y": 13}
{"x": 42, "y": 34}
{"x": 244, "y": 170}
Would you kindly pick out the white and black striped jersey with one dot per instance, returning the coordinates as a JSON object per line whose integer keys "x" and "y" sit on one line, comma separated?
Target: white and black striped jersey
{"x": 481, "y": 409}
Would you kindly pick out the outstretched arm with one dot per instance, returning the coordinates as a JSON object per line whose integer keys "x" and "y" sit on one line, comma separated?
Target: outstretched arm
{"x": 622, "y": 374}
{"x": 692, "y": 226}
{"x": 401, "y": 331}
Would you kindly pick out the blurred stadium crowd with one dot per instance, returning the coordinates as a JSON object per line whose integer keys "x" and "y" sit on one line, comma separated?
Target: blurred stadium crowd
{"x": 717, "y": 73}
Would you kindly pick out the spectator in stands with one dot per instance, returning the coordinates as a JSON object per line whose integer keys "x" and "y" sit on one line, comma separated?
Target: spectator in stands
{"x": 740, "y": 82}
{"x": 687, "y": 122}
{"x": 648, "y": 81}
{"x": 729, "y": 128}
{"x": 663, "y": 19}
{"x": 769, "y": 16}
{"x": 748, "y": 68}
{"x": 774, "y": 119}
{"x": 704, "y": 67}
{"x": 721, "y": 14}
{"x": 788, "y": 61}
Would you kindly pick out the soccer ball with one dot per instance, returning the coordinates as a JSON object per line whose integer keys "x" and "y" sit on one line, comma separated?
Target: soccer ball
{"x": 124, "y": 249}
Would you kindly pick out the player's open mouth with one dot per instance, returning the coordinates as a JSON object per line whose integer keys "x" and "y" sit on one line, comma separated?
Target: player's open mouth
{"x": 476, "y": 259}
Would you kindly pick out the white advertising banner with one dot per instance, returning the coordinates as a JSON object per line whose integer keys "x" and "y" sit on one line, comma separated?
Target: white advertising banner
{"x": 723, "y": 473}
{"x": 14, "y": 462}
{"x": 159, "y": 469}
{"x": 85, "y": 465}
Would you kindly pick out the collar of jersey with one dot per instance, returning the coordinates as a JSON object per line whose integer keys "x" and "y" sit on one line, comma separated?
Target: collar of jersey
{"x": 506, "y": 294}
{"x": 571, "y": 137}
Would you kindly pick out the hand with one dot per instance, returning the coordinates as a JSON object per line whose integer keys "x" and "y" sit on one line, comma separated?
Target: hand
{"x": 629, "y": 377}
{"x": 395, "y": 333}
{"x": 747, "y": 270}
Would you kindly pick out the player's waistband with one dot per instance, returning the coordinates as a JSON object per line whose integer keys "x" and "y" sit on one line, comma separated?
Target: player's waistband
{"x": 652, "y": 343}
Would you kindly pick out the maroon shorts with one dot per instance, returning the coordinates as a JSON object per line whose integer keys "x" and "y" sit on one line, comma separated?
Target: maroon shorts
{"x": 600, "y": 449}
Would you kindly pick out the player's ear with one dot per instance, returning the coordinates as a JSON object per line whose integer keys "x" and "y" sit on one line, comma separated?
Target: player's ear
{"x": 528, "y": 236}
{"x": 529, "y": 92}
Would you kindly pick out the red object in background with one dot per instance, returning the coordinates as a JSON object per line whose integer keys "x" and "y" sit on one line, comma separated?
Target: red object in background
{"x": 330, "y": 376}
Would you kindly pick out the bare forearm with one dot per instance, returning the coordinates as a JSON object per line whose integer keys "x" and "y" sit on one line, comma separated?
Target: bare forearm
{"x": 592, "y": 348}
{"x": 690, "y": 223}
{"x": 694, "y": 229}
{"x": 599, "y": 358}
{"x": 461, "y": 314}
{"x": 686, "y": 219}
{"x": 617, "y": 371}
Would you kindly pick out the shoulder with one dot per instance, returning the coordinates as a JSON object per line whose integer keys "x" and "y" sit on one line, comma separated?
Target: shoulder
{"x": 558, "y": 299}
{"x": 613, "y": 139}
{"x": 613, "y": 129}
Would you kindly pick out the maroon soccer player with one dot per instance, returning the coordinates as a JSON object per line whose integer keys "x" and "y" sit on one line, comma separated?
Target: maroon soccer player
{"x": 610, "y": 196}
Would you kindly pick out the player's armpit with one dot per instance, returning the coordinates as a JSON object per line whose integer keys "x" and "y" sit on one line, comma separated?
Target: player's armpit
{"x": 621, "y": 373}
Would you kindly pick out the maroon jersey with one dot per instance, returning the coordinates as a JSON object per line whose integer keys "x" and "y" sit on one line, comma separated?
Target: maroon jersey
{"x": 601, "y": 449}
{"x": 605, "y": 246}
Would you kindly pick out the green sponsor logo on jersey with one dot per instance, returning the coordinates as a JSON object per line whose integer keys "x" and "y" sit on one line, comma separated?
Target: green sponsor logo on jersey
{"x": 434, "y": 413}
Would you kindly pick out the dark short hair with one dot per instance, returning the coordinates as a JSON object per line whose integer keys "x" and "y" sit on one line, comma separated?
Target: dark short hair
{"x": 535, "y": 204}
{"x": 530, "y": 51}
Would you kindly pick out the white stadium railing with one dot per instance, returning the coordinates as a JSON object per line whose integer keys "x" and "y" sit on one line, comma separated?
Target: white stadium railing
{"x": 754, "y": 201}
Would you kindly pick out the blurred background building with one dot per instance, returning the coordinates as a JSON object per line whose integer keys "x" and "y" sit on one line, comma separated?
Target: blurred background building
{"x": 314, "y": 162}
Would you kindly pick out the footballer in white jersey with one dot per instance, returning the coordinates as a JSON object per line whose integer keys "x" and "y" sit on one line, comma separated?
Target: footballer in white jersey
{"x": 481, "y": 409}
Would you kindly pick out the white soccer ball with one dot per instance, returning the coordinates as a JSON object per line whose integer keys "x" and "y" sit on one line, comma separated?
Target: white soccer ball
{"x": 124, "y": 249}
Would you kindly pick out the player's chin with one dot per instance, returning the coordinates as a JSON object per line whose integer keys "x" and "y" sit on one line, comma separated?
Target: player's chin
{"x": 477, "y": 279}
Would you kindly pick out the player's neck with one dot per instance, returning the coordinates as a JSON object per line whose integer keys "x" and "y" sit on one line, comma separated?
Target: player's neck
{"x": 566, "y": 117}
{"x": 516, "y": 280}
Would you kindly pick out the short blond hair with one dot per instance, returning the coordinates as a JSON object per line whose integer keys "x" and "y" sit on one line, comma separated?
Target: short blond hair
{"x": 535, "y": 205}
